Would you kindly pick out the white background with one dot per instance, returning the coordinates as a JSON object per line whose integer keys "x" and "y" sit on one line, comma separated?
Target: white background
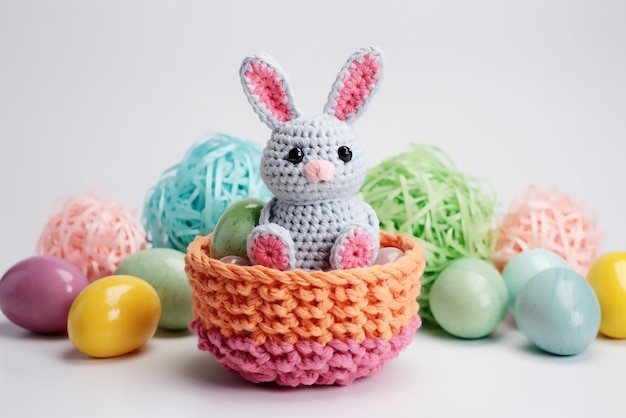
{"x": 106, "y": 95}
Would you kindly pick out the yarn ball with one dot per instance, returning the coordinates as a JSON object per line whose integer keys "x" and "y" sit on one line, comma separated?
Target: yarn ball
{"x": 92, "y": 232}
{"x": 190, "y": 197}
{"x": 421, "y": 193}
{"x": 551, "y": 220}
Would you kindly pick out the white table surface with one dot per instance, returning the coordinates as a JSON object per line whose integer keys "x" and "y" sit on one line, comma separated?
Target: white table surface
{"x": 107, "y": 95}
{"x": 435, "y": 376}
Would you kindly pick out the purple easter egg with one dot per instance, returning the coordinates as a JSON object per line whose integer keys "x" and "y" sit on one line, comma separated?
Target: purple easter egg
{"x": 388, "y": 255}
{"x": 37, "y": 293}
{"x": 235, "y": 259}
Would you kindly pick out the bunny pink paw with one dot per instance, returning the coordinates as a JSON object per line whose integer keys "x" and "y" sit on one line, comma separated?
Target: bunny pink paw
{"x": 356, "y": 247}
{"x": 271, "y": 246}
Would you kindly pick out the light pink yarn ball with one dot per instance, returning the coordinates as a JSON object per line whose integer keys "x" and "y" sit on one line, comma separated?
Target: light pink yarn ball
{"x": 550, "y": 220}
{"x": 92, "y": 232}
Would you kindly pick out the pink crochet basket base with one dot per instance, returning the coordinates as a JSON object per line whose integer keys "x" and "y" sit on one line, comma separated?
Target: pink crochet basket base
{"x": 305, "y": 362}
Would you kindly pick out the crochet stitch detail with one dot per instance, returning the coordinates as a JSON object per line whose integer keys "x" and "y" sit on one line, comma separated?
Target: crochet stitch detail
{"x": 304, "y": 362}
{"x": 269, "y": 87}
{"x": 357, "y": 86}
{"x": 313, "y": 164}
{"x": 267, "y": 90}
{"x": 356, "y": 250}
{"x": 270, "y": 250}
{"x": 265, "y": 304}
{"x": 319, "y": 170}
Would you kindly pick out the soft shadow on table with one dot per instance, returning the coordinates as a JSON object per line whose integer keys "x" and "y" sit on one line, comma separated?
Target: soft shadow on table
{"x": 73, "y": 355}
{"x": 10, "y": 330}
{"x": 529, "y": 348}
{"x": 436, "y": 331}
{"x": 203, "y": 369}
{"x": 161, "y": 333}
{"x": 617, "y": 341}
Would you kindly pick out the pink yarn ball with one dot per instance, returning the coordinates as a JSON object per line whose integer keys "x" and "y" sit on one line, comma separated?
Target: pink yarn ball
{"x": 550, "y": 220}
{"x": 92, "y": 232}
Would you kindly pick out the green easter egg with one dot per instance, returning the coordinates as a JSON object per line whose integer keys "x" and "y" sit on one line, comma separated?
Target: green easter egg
{"x": 469, "y": 298}
{"x": 164, "y": 269}
{"x": 231, "y": 232}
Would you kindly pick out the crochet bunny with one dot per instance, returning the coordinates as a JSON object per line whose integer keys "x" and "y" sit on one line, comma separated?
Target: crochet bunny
{"x": 313, "y": 164}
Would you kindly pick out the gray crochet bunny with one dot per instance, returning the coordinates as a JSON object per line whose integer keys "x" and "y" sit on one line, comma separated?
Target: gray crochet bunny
{"x": 314, "y": 166}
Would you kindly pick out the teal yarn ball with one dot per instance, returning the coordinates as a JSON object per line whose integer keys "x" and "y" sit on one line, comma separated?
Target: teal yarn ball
{"x": 190, "y": 197}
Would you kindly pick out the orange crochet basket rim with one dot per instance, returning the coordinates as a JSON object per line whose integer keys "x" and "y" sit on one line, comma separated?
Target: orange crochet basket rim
{"x": 413, "y": 252}
{"x": 239, "y": 310}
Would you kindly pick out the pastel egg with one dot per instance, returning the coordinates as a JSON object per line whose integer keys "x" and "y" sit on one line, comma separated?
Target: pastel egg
{"x": 164, "y": 269}
{"x": 230, "y": 236}
{"x": 388, "y": 255}
{"x": 558, "y": 311}
{"x": 607, "y": 277}
{"x": 236, "y": 260}
{"x": 113, "y": 315}
{"x": 469, "y": 299}
{"x": 524, "y": 266}
{"x": 36, "y": 293}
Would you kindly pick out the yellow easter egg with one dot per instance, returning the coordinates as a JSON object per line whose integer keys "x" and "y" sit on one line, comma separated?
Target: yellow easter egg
{"x": 607, "y": 277}
{"x": 113, "y": 315}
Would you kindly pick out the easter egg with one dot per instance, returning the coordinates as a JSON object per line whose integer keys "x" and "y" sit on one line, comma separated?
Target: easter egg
{"x": 36, "y": 293}
{"x": 607, "y": 277}
{"x": 524, "y": 266}
{"x": 388, "y": 255}
{"x": 469, "y": 298}
{"x": 236, "y": 260}
{"x": 113, "y": 315}
{"x": 164, "y": 269}
{"x": 558, "y": 311}
{"x": 230, "y": 236}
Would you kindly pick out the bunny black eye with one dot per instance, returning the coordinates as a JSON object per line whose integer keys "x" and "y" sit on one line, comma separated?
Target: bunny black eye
{"x": 345, "y": 153}
{"x": 296, "y": 155}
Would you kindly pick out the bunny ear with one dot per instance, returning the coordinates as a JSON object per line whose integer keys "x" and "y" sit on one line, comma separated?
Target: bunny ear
{"x": 357, "y": 81}
{"x": 267, "y": 91}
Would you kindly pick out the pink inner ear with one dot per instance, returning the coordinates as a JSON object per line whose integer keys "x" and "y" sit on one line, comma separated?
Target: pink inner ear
{"x": 268, "y": 85}
{"x": 357, "y": 85}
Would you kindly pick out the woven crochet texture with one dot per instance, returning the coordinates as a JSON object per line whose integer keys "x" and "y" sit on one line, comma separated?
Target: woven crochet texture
{"x": 314, "y": 166}
{"x": 305, "y": 362}
{"x": 271, "y": 305}
{"x": 355, "y": 319}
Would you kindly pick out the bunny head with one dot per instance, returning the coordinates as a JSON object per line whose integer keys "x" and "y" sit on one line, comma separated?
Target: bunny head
{"x": 312, "y": 157}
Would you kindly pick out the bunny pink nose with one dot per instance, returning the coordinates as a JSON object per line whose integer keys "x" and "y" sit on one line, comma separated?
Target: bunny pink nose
{"x": 317, "y": 170}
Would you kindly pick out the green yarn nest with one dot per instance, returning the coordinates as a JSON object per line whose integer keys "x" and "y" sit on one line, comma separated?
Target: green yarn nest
{"x": 421, "y": 193}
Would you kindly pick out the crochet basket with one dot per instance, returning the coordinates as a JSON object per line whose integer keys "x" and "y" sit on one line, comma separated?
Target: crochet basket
{"x": 305, "y": 328}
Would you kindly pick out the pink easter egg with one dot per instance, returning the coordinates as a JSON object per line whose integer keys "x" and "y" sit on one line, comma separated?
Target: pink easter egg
{"x": 388, "y": 255}
{"x": 36, "y": 293}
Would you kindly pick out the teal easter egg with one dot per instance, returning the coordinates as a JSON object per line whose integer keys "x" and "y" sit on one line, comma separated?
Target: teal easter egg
{"x": 469, "y": 298}
{"x": 524, "y": 266}
{"x": 164, "y": 269}
{"x": 231, "y": 232}
{"x": 558, "y": 311}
